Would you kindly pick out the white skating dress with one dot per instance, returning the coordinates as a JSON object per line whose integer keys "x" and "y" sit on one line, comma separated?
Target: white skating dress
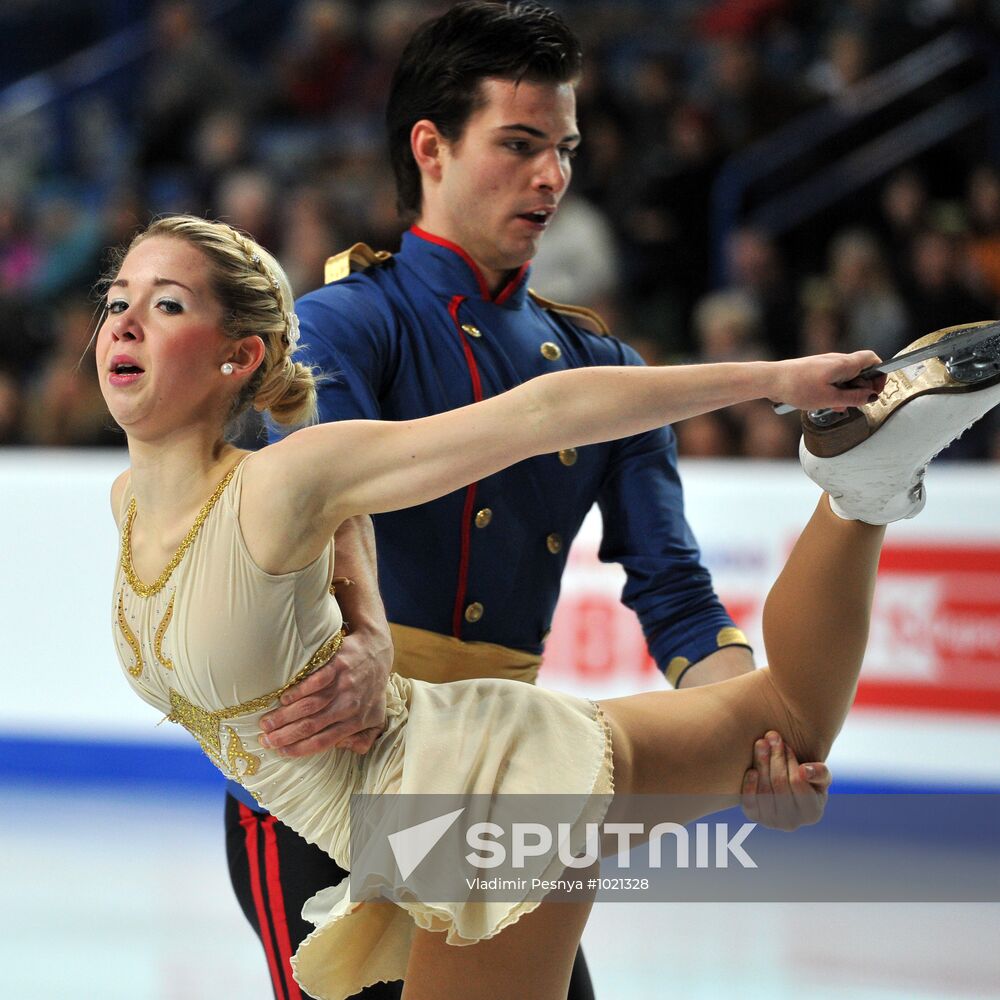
{"x": 214, "y": 642}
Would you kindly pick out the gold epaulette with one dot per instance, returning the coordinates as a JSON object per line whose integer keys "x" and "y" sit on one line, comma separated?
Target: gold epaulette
{"x": 580, "y": 315}
{"x": 357, "y": 258}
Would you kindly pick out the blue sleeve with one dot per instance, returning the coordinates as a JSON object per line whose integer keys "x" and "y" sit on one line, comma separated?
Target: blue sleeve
{"x": 346, "y": 332}
{"x": 671, "y": 592}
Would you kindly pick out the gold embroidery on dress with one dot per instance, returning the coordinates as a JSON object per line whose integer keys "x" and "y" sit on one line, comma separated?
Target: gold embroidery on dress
{"x": 136, "y": 669}
{"x": 142, "y": 589}
{"x": 202, "y": 725}
{"x": 206, "y": 727}
{"x": 236, "y": 752}
{"x": 161, "y": 630}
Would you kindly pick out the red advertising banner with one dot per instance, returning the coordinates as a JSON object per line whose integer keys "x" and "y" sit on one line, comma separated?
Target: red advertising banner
{"x": 936, "y": 632}
{"x": 935, "y": 639}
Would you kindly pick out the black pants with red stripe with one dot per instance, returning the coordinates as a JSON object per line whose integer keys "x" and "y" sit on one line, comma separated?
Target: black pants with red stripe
{"x": 274, "y": 871}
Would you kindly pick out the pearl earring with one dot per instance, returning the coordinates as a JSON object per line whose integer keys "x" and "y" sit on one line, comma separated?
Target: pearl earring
{"x": 226, "y": 368}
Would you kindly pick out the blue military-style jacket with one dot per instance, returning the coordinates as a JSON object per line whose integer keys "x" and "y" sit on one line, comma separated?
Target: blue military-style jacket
{"x": 417, "y": 333}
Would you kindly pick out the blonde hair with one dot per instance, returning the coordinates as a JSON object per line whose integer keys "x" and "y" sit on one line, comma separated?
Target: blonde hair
{"x": 257, "y": 300}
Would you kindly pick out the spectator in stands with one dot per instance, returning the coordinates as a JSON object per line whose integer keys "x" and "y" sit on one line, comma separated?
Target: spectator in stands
{"x": 63, "y": 405}
{"x": 758, "y": 271}
{"x": 190, "y": 74}
{"x": 747, "y": 103}
{"x": 887, "y": 28}
{"x": 982, "y": 202}
{"x": 654, "y": 88}
{"x": 317, "y": 64}
{"x": 937, "y": 294}
{"x": 68, "y": 237}
{"x": 844, "y": 64}
{"x": 904, "y": 204}
{"x": 727, "y": 328}
{"x": 873, "y": 310}
{"x": 603, "y": 172}
{"x": 821, "y": 326}
{"x": 388, "y": 27}
{"x": 10, "y": 408}
{"x": 577, "y": 262}
{"x": 307, "y": 234}
{"x": 122, "y": 215}
{"x": 710, "y": 435}
{"x": 246, "y": 198}
{"x": 221, "y": 145}
{"x": 765, "y": 434}
{"x": 663, "y": 230}
{"x": 20, "y": 255}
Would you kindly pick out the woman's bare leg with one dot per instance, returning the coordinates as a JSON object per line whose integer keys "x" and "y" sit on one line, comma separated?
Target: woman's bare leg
{"x": 816, "y": 620}
{"x": 531, "y": 960}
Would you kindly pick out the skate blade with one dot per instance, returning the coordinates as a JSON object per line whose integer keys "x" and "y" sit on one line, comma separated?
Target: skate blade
{"x": 901, "y": 387}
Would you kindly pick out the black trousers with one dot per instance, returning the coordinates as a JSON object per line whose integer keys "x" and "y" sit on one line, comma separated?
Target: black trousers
{"x": 274, "y": 871}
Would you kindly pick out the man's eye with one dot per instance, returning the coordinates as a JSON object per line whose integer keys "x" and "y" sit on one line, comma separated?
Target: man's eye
{"x": 518, "y": 146}
{"x": 569, "y": 152}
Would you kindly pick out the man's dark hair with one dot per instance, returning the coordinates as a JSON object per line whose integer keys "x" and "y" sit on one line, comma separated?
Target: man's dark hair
{"x": 442, "y": 66}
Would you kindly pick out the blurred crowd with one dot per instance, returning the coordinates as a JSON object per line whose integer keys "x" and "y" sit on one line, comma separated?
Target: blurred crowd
{"x": 268, "y": 115}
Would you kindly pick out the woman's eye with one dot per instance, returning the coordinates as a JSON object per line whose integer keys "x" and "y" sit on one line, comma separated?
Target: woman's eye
{"x": 170, "y": 306}
{"x": 117, "y": 306}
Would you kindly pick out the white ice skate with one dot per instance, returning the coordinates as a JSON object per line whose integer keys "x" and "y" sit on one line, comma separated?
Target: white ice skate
{"x": 872, "y": 460}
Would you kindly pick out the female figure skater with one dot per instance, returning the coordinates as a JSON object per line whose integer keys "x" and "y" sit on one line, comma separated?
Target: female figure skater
{"x": 222, "y": 596}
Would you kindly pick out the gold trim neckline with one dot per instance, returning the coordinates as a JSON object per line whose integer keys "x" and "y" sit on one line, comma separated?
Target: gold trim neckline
{"x": 148, "y": 590}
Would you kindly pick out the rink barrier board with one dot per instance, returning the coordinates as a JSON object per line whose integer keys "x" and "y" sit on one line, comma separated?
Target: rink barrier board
{"x": 934, "y": 655}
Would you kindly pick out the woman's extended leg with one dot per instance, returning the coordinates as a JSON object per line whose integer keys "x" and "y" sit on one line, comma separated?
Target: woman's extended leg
{"x": 697, "y": 741}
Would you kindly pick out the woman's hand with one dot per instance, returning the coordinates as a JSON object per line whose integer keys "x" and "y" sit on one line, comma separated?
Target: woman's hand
{"x": 826, "y": 381}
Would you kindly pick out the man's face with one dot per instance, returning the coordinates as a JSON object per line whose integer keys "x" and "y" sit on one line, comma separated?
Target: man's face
{"x": 501, "y": 181}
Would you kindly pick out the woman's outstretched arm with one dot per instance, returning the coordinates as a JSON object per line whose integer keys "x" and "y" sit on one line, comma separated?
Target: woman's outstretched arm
{"x": 323, "y": 474}
{"x": 406, "y": 463}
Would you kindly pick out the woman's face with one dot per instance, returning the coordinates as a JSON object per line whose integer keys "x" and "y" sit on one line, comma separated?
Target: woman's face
{"x": 161, "y": 344}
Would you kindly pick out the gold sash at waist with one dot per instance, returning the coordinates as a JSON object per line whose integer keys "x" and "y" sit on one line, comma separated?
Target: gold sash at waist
{"x": 430, "y": 656}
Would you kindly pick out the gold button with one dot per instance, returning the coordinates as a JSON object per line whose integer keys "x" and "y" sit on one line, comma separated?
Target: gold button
{"x": 474, "y": 612}
{"x": 554, "y": 543}
{"x": 568, "y": 456}
{"x": 472, "y": 331}
{"x": 550, "y": 351}
{"x": 484, "y": 517}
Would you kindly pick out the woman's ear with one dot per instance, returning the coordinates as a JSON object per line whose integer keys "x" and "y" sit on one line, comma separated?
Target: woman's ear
{"x": 246, "y": 355}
